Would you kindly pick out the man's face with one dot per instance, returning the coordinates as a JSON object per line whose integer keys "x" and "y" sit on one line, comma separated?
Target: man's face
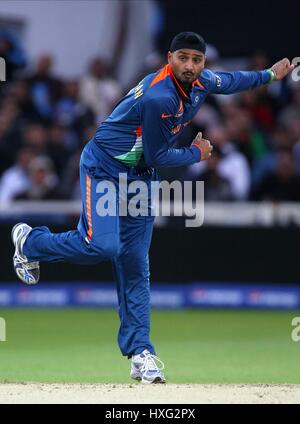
{"x": 186, "y": 64}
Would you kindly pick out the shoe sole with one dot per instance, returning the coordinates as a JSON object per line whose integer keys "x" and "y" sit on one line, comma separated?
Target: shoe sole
{"x": 137, "y": 378}
{"x": 157, "y": 380}
{"x": 15, "y": 244}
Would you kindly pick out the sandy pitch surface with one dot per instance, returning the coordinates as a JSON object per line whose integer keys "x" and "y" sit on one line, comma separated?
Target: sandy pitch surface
{"x": 140, "y": 394}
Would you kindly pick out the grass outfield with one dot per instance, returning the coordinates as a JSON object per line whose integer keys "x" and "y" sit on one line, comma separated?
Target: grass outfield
{"x": 197, "y": 346}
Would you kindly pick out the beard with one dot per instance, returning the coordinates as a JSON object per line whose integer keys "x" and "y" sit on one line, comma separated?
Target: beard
{"x": 188, "y": 77}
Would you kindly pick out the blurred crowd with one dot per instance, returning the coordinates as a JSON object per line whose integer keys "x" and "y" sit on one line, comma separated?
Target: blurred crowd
{"x": 45, "y": 121}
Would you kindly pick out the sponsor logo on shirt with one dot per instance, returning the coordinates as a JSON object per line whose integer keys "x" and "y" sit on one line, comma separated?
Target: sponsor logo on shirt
{"x": 178, "y": 114}
{"x": 176, "y": 129}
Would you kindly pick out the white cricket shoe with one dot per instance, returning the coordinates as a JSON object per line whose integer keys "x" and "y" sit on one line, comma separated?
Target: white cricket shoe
{"x": 145, "y": 369}
{"x": 28, "y": 272}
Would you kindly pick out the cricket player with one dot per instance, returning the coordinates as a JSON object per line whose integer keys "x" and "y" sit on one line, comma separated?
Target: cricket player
{"x": 135, "y": 139}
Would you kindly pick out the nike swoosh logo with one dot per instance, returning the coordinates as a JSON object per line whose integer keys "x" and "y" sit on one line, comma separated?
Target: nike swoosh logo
{"x": 164, "y": 115}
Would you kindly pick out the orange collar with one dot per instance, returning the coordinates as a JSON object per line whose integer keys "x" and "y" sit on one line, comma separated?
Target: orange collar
{"x": 182, "y": 93}
{"x": 167, "y": 70}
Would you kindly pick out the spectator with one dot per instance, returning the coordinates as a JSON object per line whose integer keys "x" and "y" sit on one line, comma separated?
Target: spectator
{"x": 12, "y": 53}
{"x": 243, "y": 132}
{"x": 216, "y": 187}
{"x": 259, "y": 105}
{"x": 71, "y": 113}
{"x": 289, "y": 116}
{"x": 231, "y": 165}
{"x": 283, "y": 184}
{"x": 98, "y": 90}
{"x": 45, "y": 89}
{"x": 10, "y": 134}
{"x": 70, "y": 184}
{"x": 57, "y": 147}
{"x": 207, "y": 117}
{"x": 20, "y": 94}
{"x": 35, "y": 136}
{"x": 15, "y": 180}
{"x": 279, "y": 139}
{"x": 43, "y": 182}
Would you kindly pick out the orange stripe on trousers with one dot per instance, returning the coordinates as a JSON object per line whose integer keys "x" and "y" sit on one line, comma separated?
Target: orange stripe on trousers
{"x": 88, "y": 207}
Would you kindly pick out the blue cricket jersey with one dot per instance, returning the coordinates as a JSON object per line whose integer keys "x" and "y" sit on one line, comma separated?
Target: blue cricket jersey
{"x": 145, "y": 124}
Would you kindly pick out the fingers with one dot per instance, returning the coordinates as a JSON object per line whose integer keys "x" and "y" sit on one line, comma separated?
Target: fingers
{"x": 286, "y": 62}
{"x": 209, "y": 147}
{"x": 288, "y": 66}
{"x": 204, "y": 144}
{"x": 282, "y": 68}
{"x": 208, "y": 144}
{"x": 283, "y": 62}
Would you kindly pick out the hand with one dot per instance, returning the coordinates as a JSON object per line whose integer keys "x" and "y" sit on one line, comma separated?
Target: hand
{"x": 282, "y": 68}
{"x": 203, "y": 145}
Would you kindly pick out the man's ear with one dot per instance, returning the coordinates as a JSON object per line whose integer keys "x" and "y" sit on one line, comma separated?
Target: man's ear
{"x": 169, "y": 57}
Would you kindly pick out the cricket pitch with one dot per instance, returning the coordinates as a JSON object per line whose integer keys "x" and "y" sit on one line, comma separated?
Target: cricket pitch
{"x": 34, "y": 393}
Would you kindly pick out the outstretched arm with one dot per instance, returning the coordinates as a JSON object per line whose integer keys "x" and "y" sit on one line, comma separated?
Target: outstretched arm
{"x": 232, "y": 82}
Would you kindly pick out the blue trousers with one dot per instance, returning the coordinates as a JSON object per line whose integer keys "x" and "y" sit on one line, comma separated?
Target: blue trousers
{"x": 124, "y": 240}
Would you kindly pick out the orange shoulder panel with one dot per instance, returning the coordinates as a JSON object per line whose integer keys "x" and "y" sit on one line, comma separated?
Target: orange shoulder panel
{"x": 161, "y": 75}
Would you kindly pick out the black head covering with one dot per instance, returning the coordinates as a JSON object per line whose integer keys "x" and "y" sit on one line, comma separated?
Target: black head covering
{"x": 188, "y": 40}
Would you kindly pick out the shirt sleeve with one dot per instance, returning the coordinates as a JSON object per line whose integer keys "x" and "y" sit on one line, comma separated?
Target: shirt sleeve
{"x": 233, "y": 82}
{"x": 156, "y": 131}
